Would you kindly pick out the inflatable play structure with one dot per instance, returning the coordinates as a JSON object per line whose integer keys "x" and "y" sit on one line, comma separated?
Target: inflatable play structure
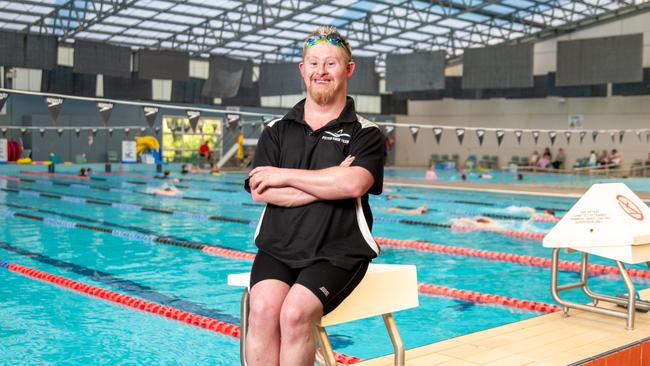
{"x": 14, "y": 150}
{"x": 148, "y": 145}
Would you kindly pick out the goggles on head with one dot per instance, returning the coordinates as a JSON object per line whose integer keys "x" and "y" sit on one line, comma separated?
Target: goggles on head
{"x": 333, "y": 39}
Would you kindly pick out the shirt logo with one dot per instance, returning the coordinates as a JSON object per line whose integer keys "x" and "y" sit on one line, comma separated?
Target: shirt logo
{"x": 324, "y": 291}
{"x": 337, "y": 136}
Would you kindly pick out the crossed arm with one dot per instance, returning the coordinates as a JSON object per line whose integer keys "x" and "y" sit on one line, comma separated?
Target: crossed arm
{"x": 297, "y": 187}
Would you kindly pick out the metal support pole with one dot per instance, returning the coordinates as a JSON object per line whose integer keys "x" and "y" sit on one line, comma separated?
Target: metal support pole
{"x": 395, "y": 338}
{"x": 325, "y": 346}
{"x": 243, "y": 326}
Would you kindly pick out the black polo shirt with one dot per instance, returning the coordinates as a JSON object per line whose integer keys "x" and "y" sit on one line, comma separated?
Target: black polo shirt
{"x": 337, "y": 231}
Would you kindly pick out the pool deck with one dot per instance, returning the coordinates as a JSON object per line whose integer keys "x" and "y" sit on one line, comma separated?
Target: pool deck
{"x": 533, "y": 189}
{"x": 551, "y": 339}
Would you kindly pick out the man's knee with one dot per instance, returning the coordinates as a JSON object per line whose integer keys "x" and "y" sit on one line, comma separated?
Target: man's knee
{"x": 264, "y": 310}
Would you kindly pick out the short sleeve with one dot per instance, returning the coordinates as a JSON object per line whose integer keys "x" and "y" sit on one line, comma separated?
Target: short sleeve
{"x": 267, "y": 151}
{"x": 367, "y": 146}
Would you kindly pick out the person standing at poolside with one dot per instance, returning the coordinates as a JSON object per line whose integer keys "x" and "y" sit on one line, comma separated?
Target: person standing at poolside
{"x": 314, "y": 168}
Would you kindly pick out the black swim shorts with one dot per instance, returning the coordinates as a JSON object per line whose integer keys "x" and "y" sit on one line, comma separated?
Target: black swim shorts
{"x": 329, "y": 283}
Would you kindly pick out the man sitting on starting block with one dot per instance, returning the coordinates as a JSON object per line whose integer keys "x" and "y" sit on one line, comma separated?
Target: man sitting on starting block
{"x": 314, "y": 168}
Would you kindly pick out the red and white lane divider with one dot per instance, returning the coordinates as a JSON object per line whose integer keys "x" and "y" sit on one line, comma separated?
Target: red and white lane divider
{"x": 133, "y": 302}
{"x": 526, "y": 260}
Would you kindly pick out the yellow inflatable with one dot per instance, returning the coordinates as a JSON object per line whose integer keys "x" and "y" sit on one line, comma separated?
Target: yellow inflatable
{"x": 146, "y": 142}
{"x": 24, "y": 161}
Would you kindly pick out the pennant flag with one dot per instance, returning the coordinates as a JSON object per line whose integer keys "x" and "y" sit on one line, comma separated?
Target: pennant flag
{"x": 41, "y": 131}
{"x": 389, "y": 129}
{"x": 77, "y": 131}
{"x": 233, "y": 121}
{"x": 157, "y": 130}
{"x": 582, "y": 135}
{"x": 460, "y": 133}
{"x": 59, "y": 131}
{"x": 23, "y": 131}
{"x": 253, "y": 125}
{"x": 594, "y": 134}
{"x": 105, "y": 110}
{"x": 54, "y": 105}
{"x": 437, "y": 133}
{"x": 647, "y": 137}
{"x": 193, "y": 116}
{"x": 150, "y": 114}
{"x": 551, "y": 136}
{"x": 500, "y": 134}
{"x": 414, "y": 132}
{"x": 638, "y": 134}
{"x": 143, "y": 129}
{"x": 535, "y": 136}
{"x": 480, "y": 133}
{"x": 110, "y": 132}
{"x": 3, "y": 99}
{"x": 621, "y": 133}
{"x": 518, "y": 134}
{"x": 4, "y": 131}
{"x": 612, "y": 134}
{"x": 127, "y": 131}
{"x": 93, "y": 132}
{"x": 567, "y": 134}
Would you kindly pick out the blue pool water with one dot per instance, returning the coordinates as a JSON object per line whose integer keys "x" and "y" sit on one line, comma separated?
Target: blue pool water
{"x": 44, "y": 323}
{"x": 508, "y": 177}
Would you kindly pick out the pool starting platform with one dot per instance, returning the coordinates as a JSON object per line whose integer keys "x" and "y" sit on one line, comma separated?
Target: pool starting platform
{"x": 385, "y": 289}
{"x": 612, "y": 222}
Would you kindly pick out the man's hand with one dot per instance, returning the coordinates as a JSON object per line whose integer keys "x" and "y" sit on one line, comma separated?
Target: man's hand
{"x": 347, "y": 161}
{"x": 264, "y": 177}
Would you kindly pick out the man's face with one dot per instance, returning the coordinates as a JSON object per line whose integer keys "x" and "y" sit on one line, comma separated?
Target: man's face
{"x": 325, "y": 71}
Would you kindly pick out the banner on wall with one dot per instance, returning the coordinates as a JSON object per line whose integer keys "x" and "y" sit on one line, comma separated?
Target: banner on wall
{"x": 437, "y": 133}
{"x": 535, "y": 136}
{"x": 582, "y": 135}
{"x": 105, "y": 110}
{"x": 594, "y": 135}
{"x": 3, "y": 101}
{"x": 414, "y": 132}
{"x": 150, "y": 114}
{"x": 567, "y": 134}
{"x": 500, "y": 134}
{"x": 576, "y": 122}
{"x": 193, "y": 117}
{"x": 128, "y": 151}
{"x": 480, "y": 133}
{"x": 4, "y": 151}
{"x": 54, "y": 105}
{"x": 551, "y": 136}
{"x": 518, "y": 134}
{"x": 460, "y": 133}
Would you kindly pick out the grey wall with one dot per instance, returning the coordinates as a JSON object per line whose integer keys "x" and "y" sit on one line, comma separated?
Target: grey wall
{"x": 549, "y": 113}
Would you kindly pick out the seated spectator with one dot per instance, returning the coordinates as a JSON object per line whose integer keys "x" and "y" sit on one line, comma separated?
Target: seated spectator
{"x": 559, "y": 159}
{"x": 603, "y": 159}
{"x": 547, "y": 151}
{"x": 593, "y": 159}
{"x": 615, "y": 159}
{"x": 545, "y": 161}
{"x": 647, "y": 160}
{"x": 414, "y": 211}
{"x": 533, "y": 158}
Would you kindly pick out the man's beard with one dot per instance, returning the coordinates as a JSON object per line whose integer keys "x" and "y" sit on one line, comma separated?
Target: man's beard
{"x": 323, "y": 96}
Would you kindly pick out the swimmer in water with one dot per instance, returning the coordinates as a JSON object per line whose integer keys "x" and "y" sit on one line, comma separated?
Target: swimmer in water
{"x": 414, "y": 211}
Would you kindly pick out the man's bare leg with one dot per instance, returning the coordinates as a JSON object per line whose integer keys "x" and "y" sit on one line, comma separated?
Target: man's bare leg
{"x": 263, "y": 339}
{"x": 300, "y": 311}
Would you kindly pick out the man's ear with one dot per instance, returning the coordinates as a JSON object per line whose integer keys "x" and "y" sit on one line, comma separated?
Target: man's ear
{"x": 351, "y": 67}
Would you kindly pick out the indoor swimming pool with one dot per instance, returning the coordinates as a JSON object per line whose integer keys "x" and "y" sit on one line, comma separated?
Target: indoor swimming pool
{"x": 110, "y": 232}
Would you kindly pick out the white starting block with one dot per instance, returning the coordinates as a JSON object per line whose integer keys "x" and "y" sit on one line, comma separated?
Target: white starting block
{"x": 386, "y": 288}
{"x": 612, "y": 222}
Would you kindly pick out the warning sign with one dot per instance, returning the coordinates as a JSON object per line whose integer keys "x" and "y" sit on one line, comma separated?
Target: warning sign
{"x": 607, "y": 216}
{"x": 629, "y": 207}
